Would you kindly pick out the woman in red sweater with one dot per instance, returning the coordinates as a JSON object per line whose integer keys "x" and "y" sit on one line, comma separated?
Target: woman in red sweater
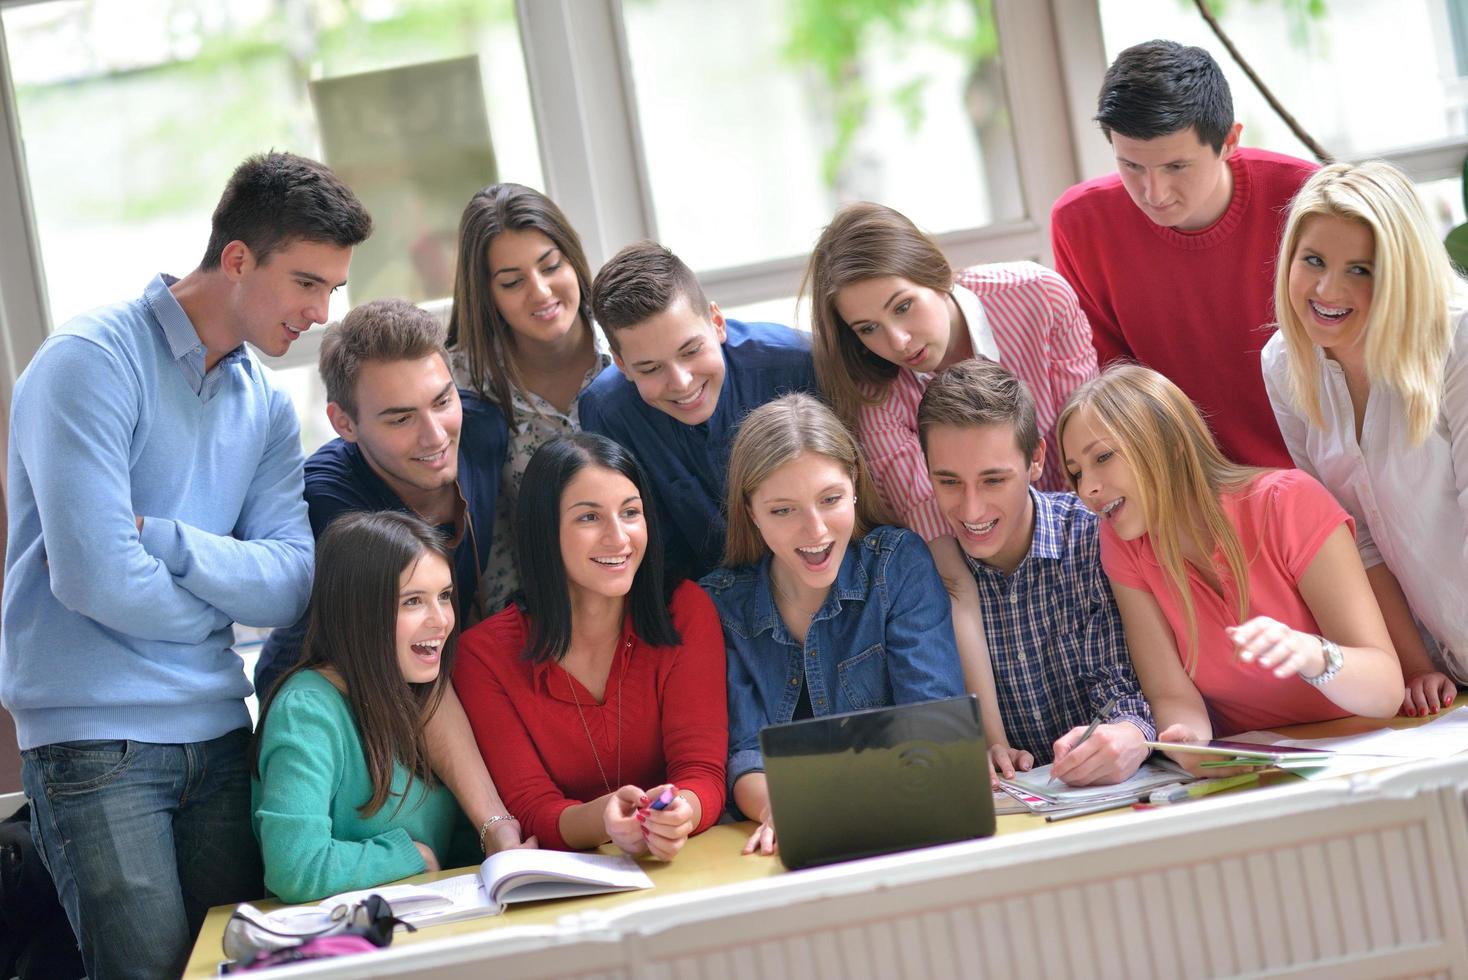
{"x": 596, "y": 695}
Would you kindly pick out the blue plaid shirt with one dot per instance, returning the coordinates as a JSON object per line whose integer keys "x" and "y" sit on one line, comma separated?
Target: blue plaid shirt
{"x": 1055, "y": 635}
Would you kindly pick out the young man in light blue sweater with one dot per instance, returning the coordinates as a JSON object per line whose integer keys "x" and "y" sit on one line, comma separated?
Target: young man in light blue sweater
{"x": 155, "y": 480}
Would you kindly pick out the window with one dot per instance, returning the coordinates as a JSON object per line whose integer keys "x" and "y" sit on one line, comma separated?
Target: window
{"x": 1363, "y": 77}
{"x": 758, "y": 117}
{"x": 134, "y": 112}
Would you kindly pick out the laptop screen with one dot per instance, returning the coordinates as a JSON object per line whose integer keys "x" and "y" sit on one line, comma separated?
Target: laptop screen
{"x": 874, "y": 782}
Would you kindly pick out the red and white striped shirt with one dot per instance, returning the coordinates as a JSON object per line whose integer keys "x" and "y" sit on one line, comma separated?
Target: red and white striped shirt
{"x": 1030, "y": 314}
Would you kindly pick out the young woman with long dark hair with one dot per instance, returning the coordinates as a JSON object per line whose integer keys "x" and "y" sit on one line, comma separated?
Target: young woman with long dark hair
{"x": 521, "y": 336}
{"x": 345, "y": 797}
{"x": 599, "y": 692}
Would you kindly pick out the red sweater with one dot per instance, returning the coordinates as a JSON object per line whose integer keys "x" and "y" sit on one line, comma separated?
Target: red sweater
{"x": 1196, "y": 306}
{"x": 674, "y": 717}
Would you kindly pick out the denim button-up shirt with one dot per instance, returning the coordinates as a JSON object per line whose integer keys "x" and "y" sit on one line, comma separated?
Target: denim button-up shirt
{"x": 883, "y": 636}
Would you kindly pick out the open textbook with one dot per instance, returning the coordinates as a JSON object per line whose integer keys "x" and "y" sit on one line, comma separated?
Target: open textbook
{"x": 509, "y": 876}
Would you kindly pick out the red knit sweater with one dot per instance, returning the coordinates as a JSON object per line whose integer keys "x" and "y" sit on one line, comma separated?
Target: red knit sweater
{"x": 674, "y": 717}
{"x": 1196, "y": 306}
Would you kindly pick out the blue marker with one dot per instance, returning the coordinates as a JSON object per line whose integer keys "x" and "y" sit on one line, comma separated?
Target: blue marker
{"x": 661, "y": 803}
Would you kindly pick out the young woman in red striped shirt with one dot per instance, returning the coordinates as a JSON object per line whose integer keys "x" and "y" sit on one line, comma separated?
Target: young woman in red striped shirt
{"x": 889, "y": 312}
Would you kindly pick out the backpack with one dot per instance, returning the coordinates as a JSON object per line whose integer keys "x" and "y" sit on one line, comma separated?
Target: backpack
{"x": 35, "y": 936}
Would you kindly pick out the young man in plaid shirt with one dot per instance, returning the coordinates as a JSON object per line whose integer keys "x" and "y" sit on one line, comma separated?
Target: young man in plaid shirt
{"x": 1055, "y": 636}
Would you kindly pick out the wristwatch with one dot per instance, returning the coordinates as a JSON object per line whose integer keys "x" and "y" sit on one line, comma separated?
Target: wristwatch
{"x": 1334, "y": 661}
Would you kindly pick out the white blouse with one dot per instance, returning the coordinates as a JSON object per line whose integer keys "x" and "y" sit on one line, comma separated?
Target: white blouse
{"x": 1410, "y": 502}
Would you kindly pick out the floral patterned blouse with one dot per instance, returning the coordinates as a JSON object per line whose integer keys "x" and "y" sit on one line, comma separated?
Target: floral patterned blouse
{"x": 539, "y": 423}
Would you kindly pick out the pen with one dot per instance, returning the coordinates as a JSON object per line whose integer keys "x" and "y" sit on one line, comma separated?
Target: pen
{"x": 1176, "y": 794}
{"x": 1095, "y": 722}
{"x": 666, "y": 797}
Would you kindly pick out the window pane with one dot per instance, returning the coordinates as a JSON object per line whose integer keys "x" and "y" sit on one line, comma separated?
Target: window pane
{"x": 308, "y": 394}
{"x": 134, "y": 112}
{"x": 755, "y": 127}
{"x": 1363, "y": 77}
{"x": 1444, "y": 201}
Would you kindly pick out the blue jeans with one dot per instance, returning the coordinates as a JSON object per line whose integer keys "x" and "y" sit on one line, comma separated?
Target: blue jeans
{"x": 141, "y": 839}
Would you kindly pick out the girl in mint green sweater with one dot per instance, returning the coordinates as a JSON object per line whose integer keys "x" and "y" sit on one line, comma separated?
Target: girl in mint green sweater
{"x": 344, "y": 797}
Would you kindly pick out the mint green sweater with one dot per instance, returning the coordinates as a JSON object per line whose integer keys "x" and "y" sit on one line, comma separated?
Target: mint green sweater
{"x": 313, "y": 776}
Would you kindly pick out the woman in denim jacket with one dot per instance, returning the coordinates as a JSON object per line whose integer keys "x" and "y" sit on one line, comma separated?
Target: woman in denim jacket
{"x": 825, "y": 607}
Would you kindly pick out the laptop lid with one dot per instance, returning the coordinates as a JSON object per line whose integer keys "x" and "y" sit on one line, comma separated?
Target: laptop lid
{"x": 873, "y": 782}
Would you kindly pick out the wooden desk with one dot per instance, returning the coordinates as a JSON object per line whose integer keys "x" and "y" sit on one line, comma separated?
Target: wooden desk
{"x": 713, "y": 859}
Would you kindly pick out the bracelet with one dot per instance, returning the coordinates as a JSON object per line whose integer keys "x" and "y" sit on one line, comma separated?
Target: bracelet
{"x": 484, "y": 827}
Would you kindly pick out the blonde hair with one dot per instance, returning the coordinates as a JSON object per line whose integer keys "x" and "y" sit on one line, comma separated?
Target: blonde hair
{"x": 1408, "y": 332}
{"x": 863, "y": 241}
{"x": 1179, "y": 475}
{"x": 771, "y": 436}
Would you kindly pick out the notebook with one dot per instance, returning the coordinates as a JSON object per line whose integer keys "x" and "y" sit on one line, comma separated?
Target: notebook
{"x": 508, "y": 876}
{"x": 874, "y": 782}
{"x": 1040, "y": 794}
{"x": 1227, "y": 754}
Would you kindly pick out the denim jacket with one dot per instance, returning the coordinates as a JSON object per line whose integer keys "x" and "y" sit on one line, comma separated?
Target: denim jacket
{"x": 883, "y": 636}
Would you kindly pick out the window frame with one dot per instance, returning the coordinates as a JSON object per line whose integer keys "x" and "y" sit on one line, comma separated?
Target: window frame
{"x": 593, "y": 160}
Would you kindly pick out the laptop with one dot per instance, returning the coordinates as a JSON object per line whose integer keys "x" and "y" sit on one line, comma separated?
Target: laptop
{"x": 874, "y": 782}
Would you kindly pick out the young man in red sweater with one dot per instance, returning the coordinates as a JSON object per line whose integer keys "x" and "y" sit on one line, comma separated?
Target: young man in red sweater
{"x": 1173, "y": 256}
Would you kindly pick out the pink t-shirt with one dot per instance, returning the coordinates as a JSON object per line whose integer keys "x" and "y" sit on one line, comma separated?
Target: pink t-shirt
{"x": 1282, "y": 519}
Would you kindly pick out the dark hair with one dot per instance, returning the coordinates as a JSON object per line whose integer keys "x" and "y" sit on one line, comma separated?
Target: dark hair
{"x": 384, "y": 330}
{"x": 475, "y": 324}
{"x": 1161, "y": 87}
{"x": 352, "y": 628}
{"x": 543, "y": 584}
{"x": 274, "y": 200}
{"x": 638, "y": 283}
{"x": 863, "y": 241}
{"x": 977, "y": 392}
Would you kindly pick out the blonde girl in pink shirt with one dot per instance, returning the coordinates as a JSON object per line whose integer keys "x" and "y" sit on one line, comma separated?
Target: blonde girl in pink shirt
{"x": 1243, "y": 597}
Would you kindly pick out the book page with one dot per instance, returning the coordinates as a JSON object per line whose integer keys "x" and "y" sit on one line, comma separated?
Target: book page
{"x": 594, "y": 872}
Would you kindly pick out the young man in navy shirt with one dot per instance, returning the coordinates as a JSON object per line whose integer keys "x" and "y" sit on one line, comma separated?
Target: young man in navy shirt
{"x": 409, "y": 441}
{"x": 682, "y": 380}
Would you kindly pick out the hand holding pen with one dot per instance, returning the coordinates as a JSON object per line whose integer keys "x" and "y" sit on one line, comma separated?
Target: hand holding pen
{"x": 1099, "y": 753}
{"x": 667, "y": 818}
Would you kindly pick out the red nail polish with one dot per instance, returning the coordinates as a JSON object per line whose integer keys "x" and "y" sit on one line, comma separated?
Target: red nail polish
{"x": 641, "y": 816}
{"x": 643, "y": 800}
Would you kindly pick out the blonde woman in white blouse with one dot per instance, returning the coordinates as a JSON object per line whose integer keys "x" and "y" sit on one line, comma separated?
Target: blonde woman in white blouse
{"x": 1368, "y": 376}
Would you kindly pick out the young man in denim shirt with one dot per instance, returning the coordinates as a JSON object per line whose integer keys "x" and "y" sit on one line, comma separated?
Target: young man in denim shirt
{"x": 1055, "y": 636}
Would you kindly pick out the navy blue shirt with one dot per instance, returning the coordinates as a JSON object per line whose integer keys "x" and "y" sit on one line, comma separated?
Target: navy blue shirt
{"x": 883, "y": 636}
{"x": 687, "y": 464}
{"x": 339, "y": 481}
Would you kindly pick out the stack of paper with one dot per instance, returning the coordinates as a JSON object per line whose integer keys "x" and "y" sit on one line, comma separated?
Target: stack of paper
{"x": 1438, "y": 739}
{"x": 1036, "y": 791}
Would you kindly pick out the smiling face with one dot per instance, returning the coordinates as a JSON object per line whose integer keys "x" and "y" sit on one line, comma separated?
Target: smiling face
{"x": 1102, "y": 476}
{"x": 533, "y": 286}
{"x": 425, "y": 616}
{"x": 407, "y": 425}
{"x": 280, "y": 298}
{"x": 603, "y": 534}
{"x": 805, "y": 511}
{"x": 676, "y": 360}
{"x": 981, "y": 480}
{"x": 1177, "y": 180}
{"x": 909, "y": 325}
{"x": 1331, "y": 281}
